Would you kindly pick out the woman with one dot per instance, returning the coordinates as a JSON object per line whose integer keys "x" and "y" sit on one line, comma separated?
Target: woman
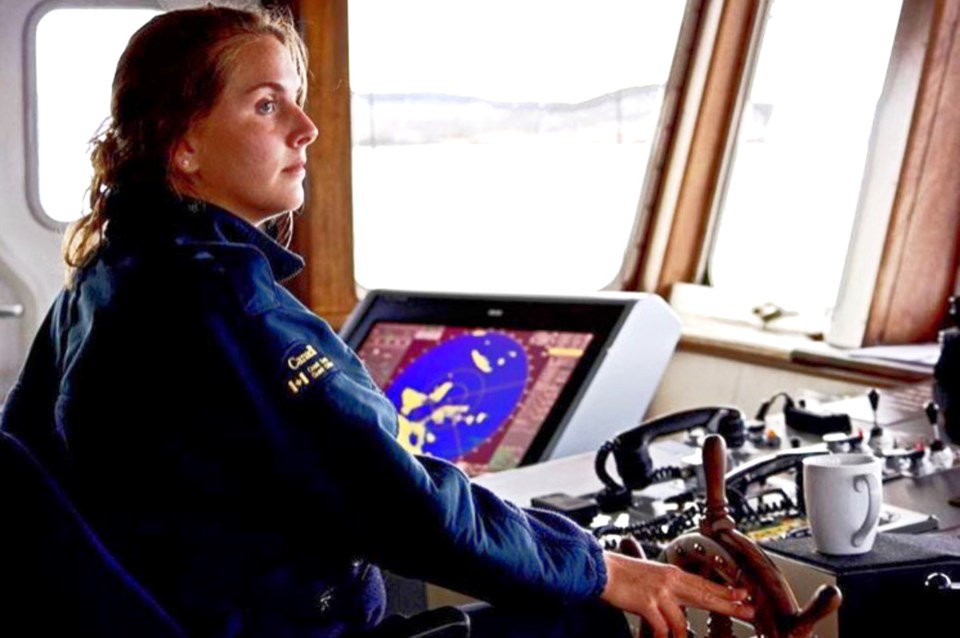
{"x": 225, "y": 444}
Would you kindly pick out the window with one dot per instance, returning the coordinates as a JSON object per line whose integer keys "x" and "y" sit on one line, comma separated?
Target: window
{"x": 73, "y": 74}
{"x": 894, "y": 283}
{"x": 798, "y": 167}
{"x": 502, "y": 145}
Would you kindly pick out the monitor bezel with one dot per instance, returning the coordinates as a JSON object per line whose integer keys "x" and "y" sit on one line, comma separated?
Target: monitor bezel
{"x": 600, "y": 316}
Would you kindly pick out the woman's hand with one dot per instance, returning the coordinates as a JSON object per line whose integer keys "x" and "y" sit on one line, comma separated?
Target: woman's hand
{"x": 660, "y": 593}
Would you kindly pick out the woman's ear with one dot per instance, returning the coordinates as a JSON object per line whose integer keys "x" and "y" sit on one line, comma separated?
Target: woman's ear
{"x": 185, "y": 156}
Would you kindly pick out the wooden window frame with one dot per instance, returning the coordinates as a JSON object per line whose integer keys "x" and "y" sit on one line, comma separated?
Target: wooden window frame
{"x": 911, "y": 286}
{"x": 685, "y": 236}
{"x": 919, "y": 267}
{"x": 323, "y": 232}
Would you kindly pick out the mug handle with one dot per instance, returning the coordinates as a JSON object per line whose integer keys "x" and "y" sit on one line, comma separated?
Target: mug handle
{"x": 872, "y": 483}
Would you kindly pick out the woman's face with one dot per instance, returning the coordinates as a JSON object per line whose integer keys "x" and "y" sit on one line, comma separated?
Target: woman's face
{"x": 248, "y": 155}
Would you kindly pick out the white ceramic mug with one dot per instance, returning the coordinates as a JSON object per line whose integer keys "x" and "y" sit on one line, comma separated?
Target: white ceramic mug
{"x": 843, "y": 493}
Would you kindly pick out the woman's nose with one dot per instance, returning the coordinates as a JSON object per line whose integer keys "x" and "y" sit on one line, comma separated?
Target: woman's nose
{"x": 305, "y": 131}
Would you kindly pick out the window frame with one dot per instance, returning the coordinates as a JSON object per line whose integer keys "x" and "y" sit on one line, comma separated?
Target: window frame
{"x": 889, "y": 147}
{"x": 682, "y": 94}
{"x": 323, "y": 233}
{"x": 31, "y": 99}
{"x": 912, "y": 285}
{"x": 685, "y": 240}
{"x": 716, "y": 84}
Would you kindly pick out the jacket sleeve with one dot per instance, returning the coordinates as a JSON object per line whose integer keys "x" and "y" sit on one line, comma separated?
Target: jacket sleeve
{"x": 446, "y": 530}
{"x": 417, "y": 516}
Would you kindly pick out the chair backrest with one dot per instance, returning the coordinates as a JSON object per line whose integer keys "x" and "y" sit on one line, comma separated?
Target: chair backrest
{"x": 56, "y": 577}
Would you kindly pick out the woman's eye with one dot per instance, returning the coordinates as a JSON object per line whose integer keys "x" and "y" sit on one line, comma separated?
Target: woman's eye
{"x": 266, "y": 107}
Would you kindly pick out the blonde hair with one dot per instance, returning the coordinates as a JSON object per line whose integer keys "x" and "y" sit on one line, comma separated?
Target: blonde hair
{"x": 170, "y": 76}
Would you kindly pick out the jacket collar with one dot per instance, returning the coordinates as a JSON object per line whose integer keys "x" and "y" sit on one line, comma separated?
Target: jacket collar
{"x": 157, "y": 216}
{"x": 236, "y": 230}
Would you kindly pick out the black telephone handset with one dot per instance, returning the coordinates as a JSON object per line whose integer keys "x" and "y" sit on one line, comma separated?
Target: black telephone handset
{"x": 632, "y": 458}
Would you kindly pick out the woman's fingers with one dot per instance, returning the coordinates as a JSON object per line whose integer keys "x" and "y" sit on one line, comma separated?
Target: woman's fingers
{"x": 676, "y": 618}
{"x": 659, "y": 593}
{"x": 658, "y": 626}
{"x": 700, "y": 592}
{"x": 696, "y": 584}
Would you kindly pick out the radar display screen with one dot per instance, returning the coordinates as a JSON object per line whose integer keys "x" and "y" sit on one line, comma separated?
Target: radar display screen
{"x": 474, "y": 396}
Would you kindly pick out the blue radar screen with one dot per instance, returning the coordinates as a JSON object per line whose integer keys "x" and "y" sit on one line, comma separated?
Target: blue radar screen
{"x": 457, "y": 395}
